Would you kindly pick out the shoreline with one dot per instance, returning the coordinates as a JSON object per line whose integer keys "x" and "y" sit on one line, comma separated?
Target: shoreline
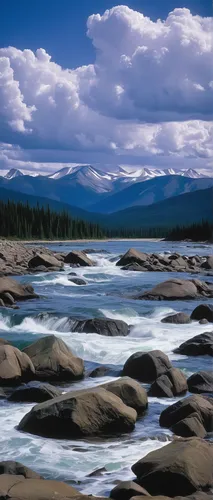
{"x": 88, "y": 240}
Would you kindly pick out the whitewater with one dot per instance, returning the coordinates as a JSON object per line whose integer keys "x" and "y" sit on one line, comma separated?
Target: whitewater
{"x": 108, "y": 293}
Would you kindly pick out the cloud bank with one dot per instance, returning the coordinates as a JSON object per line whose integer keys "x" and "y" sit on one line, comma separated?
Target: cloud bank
{"x": 149, "y": 92}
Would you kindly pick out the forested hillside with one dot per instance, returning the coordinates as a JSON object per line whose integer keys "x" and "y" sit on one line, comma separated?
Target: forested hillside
{"x": 22, "y": 221}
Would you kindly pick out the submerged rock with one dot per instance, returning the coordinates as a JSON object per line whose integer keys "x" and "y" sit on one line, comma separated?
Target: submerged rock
{"x": 84, "y": 413}
{"x": 177, "y": 319}
{"x": 101, "y": 326}
{"x": 78, "y": 281}
{"x": 200, "y": 345}
{"x": 53, "y": 360}
{"x": 180, "y": 468}
{"x": 147, "y": 366}
{"x": 100, "y": 371}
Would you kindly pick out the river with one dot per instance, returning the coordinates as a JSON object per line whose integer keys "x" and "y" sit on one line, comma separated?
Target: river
{"x": 107, "y": 293}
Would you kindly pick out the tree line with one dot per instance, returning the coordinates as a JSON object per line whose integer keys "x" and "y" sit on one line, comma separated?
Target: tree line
{"x": 22, "y": 221}
{"x": 202, "y": 231}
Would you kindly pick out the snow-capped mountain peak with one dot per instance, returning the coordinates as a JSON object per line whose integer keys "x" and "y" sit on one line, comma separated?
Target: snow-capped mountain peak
{"x": 13, "y": 172}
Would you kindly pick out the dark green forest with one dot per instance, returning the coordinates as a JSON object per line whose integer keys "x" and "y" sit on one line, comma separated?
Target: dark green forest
{"x": 195, "y": 232}
{"x": 21, "y": 221}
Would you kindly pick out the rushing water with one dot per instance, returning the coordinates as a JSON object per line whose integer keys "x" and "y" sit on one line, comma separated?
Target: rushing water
{"x": 107, "y": 294}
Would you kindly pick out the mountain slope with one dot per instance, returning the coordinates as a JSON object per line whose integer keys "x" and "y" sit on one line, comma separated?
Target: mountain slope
{"x": 12, "y": 173}
{"x": 149, "y": 192}
{"x": 7, "y": 194}
{"x": 184, "y": 209}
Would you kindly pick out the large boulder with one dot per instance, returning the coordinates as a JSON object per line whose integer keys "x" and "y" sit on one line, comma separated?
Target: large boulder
{"x": 128, "y": 489}
{"x": 15, "y": 366}
{"x": 16, "y": 487}
{"x": 43, "y": 259}
{"x": 130, "y": 391}
{"x": 200, "y": 345}
{"x": 34, "y": 392}
{"x": 170, "y": 384}
{"x": 203, "y": 311}
{"x": 101, "y": 326}
{"x": 53, "y": 360}
{"x": 177, "y": 319}
{"x": 132, "y": 256}
{"x": 186, "y": 407}
{"x": 17, "y": 290}
{"x": 146, "y": 366}
{"x": 17, "y": 469}
{"x": 180, "y": 468}
{"x": 92, "y": 412}
{"x": 201, "y": 382}
{"x": 177, "y": 289}
{"x": 76, "y": 257}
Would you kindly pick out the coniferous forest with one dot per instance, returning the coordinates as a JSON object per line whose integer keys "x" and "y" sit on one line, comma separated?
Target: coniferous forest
{"x": 196, "y": 232}
{"x": 21, "y": 221}
{"x": 24, "y": 222}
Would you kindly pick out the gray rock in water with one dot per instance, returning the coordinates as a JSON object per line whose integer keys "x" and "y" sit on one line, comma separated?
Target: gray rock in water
{"x": 200, "y": 345}
{"x": 132, "y": 256}
{"x": 53, "y": 360}
{"x": 130, "y": 391}
{"x": 35, "y": 392}
{"x": 176, "y": 289}
{"x": 180, "y": 468}
{"x": 100, "y": 371}
{"x": 203, "y": 311}
{"x": 201, "y": 382}
{"x": 15, "y": 366}
{"x": 84, "y": 413}
{"x": 79, "y": 258}
{"x": 170, "y": 384}
{"x": 78, "y": 281}
{"x": 101, "y": 326}
{"x": 43, "y": 259}
{"x": 147, "y": 366}
{"x": 177, "y": 319}
{"x": 128, "y": 489}
{"x": 186, "y": 407}
{"x": 17, "y": 469}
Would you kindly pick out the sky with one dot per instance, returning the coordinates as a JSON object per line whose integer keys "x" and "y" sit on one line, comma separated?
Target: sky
{"x": 106, "y": 83}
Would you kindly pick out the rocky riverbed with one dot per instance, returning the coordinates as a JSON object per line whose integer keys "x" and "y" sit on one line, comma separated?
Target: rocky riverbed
{"x": 106, "y": 373}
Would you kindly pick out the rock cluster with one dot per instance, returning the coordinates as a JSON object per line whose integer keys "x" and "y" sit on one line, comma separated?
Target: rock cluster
{"x": 133, "y": 260}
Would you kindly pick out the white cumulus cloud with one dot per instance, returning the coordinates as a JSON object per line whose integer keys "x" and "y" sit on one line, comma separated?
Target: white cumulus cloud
{"x": 149, "y": 93}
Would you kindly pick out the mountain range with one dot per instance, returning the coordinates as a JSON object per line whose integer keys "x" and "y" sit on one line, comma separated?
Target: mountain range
{"x": 105, "y": 191}
{"x": 184, "y": 209}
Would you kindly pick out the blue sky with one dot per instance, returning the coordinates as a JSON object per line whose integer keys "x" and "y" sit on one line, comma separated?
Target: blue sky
{"x": 60, "y": 25}
{"x": 137, "y": 88}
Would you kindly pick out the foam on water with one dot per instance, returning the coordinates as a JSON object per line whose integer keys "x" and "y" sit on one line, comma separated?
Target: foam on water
{"x": 71, "y": 460}
{"x": 74, "y": 460}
